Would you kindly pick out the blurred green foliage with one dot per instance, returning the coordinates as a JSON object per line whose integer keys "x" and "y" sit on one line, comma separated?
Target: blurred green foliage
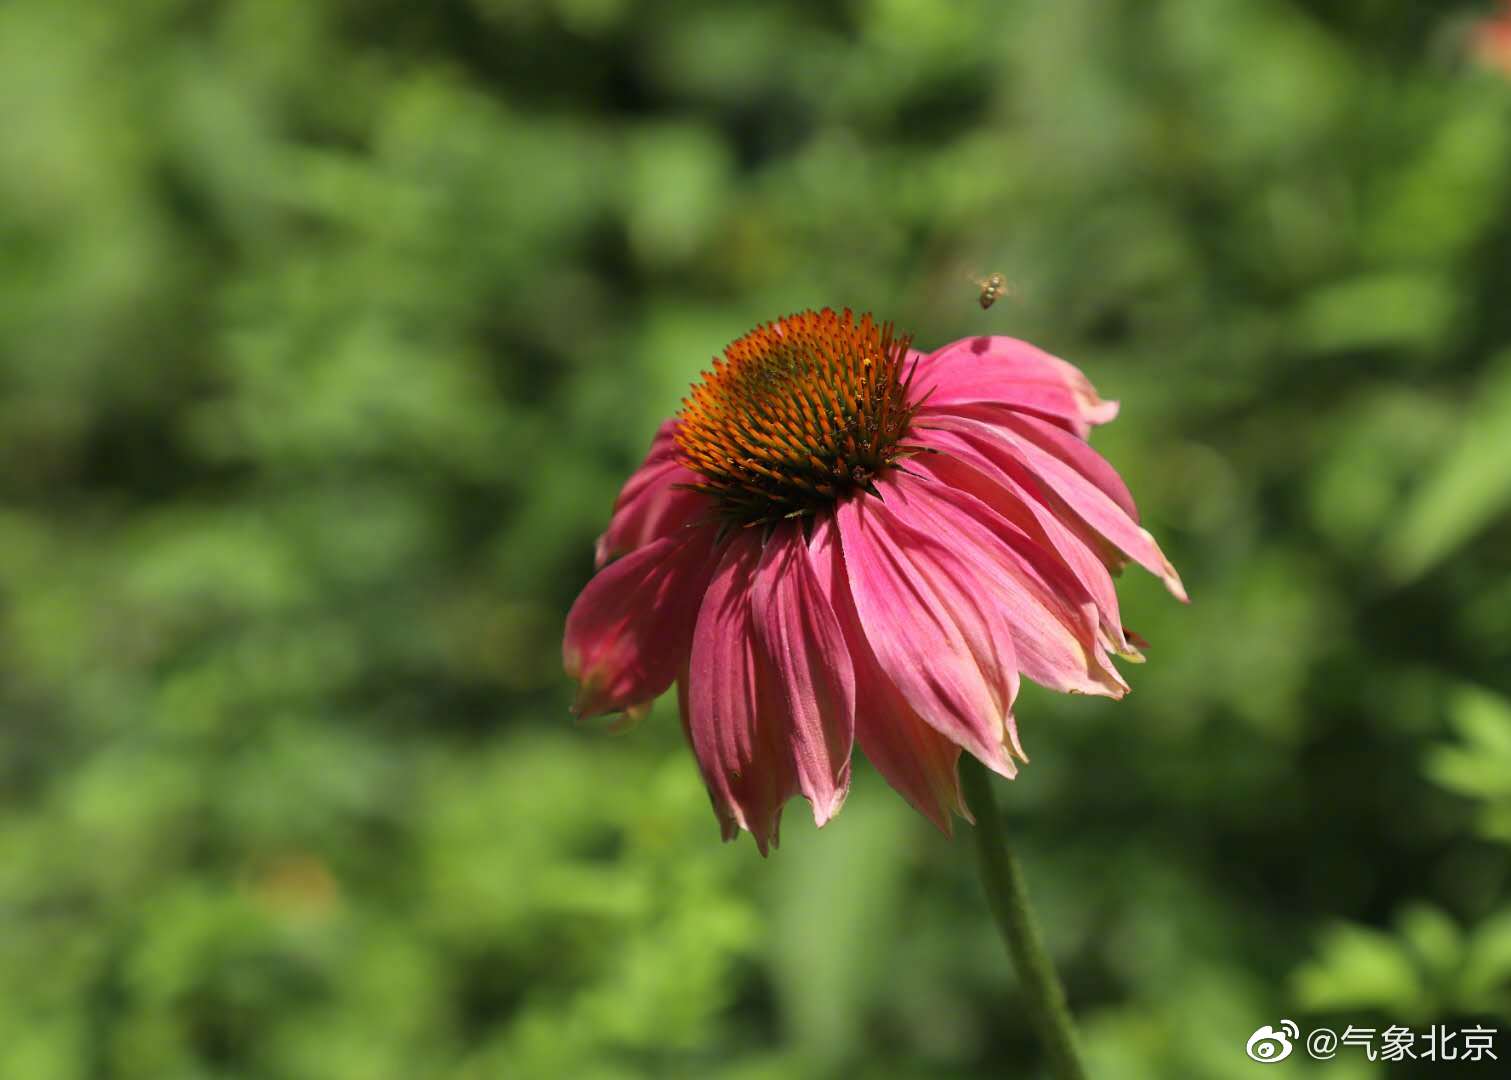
{"x": 329, "y": 328}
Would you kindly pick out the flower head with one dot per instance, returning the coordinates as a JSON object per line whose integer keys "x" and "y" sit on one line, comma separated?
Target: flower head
{"x": 1490, "y": 40}
{"x": 842, "y": 540}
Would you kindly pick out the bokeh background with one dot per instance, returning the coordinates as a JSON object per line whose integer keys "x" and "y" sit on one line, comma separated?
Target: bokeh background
{"x": 329, "y": 328}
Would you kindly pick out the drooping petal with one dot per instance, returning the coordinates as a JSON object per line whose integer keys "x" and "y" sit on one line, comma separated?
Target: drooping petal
{"x": 654, "y": 501}
{"x": 972, "y": 461}
{"x": 798, "y": 631}
{"x": 631, "y": 628}
{"x": 1075, "y": 497}
{"x": 1075, "y": 452}
{"x": 932, "y": 630}
{"x": 918, "y": 761}
{"x": 728, "y": 827}
{"x": 1051, "y": 618}
{"x": 1006, "y": 371}
{"x": 735, "y": 706}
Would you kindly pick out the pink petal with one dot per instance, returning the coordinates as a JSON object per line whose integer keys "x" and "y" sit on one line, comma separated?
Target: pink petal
{"x": 728, "y": 827}
{"x": 654, "y": 501}
{"x": 798, "y": 631}
{"x": 1076, "y": 498}
{"x": 631, "y": 628}
{"x": 1051, "y": 618}
{"x": 1006, "y": 371}
{"x": 975, "y": 463}
{"x": 735, "y": 703}
{"x": 1055, "y": 440}
{"x": 920, "y": 606}
{"x": 916, "y": 760}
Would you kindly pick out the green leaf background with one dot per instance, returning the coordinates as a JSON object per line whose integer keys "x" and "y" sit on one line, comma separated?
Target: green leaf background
{"x": 328, "y": 330}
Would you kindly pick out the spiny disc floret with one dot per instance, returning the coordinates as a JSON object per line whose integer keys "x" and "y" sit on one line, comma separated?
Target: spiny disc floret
{"x": 798, "y": 414}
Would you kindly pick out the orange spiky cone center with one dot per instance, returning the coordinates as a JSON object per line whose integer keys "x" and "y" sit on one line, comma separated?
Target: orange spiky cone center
{"x": 798, "y": 414}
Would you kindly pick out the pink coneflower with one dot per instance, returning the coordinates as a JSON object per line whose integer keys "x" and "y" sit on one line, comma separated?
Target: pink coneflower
{"x": 1490, "y": 40}
{"x": 839, "y": 539}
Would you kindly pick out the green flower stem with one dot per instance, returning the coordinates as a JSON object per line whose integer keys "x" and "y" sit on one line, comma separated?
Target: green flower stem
{"x": 1008, "y": 898}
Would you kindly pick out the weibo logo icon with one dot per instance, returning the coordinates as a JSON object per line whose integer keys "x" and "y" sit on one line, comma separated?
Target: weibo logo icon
{"x": 1268, "y": 1045}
